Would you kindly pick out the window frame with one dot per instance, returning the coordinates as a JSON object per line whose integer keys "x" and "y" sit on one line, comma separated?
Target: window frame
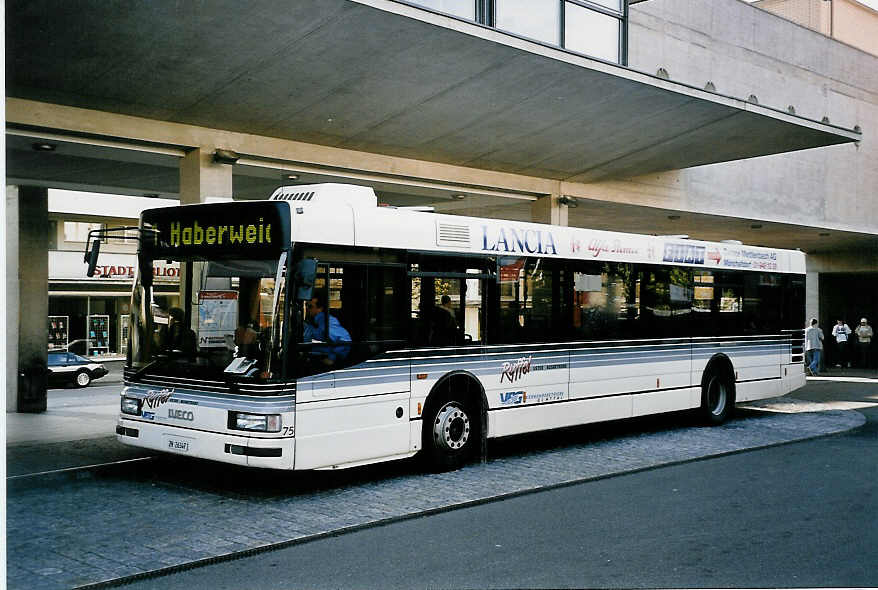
{"x": 486, "y": 15}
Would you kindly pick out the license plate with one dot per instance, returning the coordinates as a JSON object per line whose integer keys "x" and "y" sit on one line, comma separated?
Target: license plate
{"x": 176, "y": 445}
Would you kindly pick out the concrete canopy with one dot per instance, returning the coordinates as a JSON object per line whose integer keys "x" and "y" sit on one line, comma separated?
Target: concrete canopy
{"x": 381, "y": 77}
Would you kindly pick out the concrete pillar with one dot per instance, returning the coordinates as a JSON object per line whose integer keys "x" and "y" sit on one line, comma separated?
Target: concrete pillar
{"x": 32, "y": 270}
{"x": 201, "y": 180}
{"x": 812, "y": 297}
{"x": 11, "y": 244}
{"x": 548, "y": 210}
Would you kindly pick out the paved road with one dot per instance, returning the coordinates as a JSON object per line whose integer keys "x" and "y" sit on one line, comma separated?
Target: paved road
{"x": 77, "y": 429}
{"x": 172, "y": 512}
{"x": 791, "y": 516}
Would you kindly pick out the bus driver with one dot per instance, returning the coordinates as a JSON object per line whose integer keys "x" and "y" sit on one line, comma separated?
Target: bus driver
{"x": 315, "y": 330}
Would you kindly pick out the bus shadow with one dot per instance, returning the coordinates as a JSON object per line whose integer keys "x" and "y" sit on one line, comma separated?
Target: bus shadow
{"x": 255, "y": 483}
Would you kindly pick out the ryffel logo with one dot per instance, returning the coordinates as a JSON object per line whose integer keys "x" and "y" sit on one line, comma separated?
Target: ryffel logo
{"x": 512, "y": 398}
{"x": 181, "y": 415}
{"x": 515, "y": 370}
{"x": 155, "y": 398}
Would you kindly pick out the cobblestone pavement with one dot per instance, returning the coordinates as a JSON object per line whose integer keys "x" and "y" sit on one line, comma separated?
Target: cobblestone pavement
{"x": 96, "y": 529}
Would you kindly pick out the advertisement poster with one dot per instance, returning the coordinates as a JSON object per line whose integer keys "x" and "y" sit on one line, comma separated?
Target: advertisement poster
{"x": 217, "y": 317}
{"x": 59, "y": 326}
{"x": 98, "y": 334}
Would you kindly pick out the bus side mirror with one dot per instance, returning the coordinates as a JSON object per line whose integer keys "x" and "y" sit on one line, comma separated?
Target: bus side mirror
{"x": 306, "y": 273}
{"x": 145, "y": 267}
{"x": 92, "y": 257}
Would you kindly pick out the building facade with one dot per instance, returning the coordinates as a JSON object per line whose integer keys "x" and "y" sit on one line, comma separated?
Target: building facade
{"x": 847, "y": 21}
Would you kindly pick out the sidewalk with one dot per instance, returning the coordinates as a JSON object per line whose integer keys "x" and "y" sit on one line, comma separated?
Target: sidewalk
{"x": 852, "y": 372}
{"x": 77, "y": 430}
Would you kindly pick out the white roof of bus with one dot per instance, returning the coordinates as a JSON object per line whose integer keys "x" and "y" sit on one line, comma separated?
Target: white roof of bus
{"x": 349, "y": 215}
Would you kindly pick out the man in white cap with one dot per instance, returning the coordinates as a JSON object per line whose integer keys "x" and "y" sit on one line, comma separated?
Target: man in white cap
{"x": 864, "y": 343}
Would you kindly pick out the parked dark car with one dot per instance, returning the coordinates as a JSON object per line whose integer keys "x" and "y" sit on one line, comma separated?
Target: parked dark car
{"x": 68, "y": 368}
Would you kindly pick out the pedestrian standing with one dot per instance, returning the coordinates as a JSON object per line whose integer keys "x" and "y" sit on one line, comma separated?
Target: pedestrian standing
{"x": 864, "y": 343}
{"x": 841, "y": 331}
{"x": 813, "y": 347}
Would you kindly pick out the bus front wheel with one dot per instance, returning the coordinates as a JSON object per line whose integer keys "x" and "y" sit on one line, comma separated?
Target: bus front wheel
{"x": 717, "y": 399}
{"x": 450, "y": 435}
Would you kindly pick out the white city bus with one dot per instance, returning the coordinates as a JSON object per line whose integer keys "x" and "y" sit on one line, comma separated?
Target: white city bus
{"x": 318, "y": 330}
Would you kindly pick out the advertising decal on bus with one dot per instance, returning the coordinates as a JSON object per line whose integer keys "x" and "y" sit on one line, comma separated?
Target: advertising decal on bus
{"x": 524, "y": 241}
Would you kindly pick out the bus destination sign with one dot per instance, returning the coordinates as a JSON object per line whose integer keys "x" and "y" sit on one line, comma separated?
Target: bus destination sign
{"x": 247, "y": 229}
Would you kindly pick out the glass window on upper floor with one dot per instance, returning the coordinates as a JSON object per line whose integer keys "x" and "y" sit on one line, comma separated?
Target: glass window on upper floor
{"x": 595, "y": 28}
{"x": 126, "y": 237}
{"x": 534, "y": 19}
{"x": 462, "y": 8}
{"x": 591, "y": 32}
{"x": 77, "y": 231}
{"x": 614, "y": 5}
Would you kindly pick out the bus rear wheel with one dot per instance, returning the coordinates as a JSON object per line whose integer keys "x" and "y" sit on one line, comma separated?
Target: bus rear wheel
{"x": 717, "y": 399}
{"x": 450, "y": 435}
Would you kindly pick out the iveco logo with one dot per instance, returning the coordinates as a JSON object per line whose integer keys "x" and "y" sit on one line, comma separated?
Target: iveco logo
{"x": 181, "y": 415}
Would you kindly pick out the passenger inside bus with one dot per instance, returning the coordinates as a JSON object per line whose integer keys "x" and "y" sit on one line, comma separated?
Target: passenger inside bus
{"x": 317, "y": 324}
{"x": 444, "y": 329}
{"x": 181, "y": 338}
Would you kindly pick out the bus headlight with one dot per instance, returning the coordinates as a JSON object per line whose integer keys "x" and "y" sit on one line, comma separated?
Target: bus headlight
{"x": 131, "y": 405}
{"x": 254, "y": 422}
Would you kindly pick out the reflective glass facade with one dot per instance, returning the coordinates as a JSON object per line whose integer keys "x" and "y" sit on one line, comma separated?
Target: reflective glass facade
{"x": 596, "y": 28}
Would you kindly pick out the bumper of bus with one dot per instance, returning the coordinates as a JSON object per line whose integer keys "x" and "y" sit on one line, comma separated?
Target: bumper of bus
{"x": 274, "y": 453}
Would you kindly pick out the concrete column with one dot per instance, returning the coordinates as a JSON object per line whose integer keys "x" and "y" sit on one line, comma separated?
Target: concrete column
{"x": 33, "y": 297}
{"x": 812, "y": 297}
{"x": 11, "y": 243}
{"x": 201, "y": 180}
{"x": 548, "y": 210}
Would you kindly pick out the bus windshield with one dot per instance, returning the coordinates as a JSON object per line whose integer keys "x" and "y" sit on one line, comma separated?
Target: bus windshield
{"x": 227, "y": 323}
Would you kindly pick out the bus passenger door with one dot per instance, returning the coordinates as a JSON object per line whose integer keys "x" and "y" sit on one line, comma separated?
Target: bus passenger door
{"x": 354, "y": 407}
